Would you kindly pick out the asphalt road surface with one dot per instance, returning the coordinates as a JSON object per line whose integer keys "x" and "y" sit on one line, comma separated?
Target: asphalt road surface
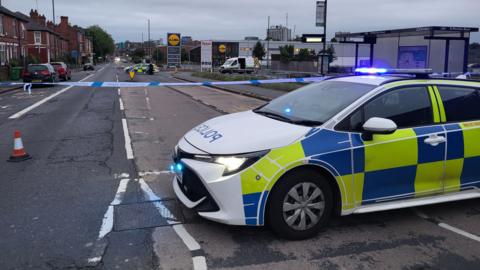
{"x": 97, "y": 194}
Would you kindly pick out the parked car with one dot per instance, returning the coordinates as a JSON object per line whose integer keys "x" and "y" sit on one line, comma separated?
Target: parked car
{"x": 62, "y": 70}
{"x": 37, "y": 73}
{"x": 345, "y": 145}
{"x": 88, "y": 66}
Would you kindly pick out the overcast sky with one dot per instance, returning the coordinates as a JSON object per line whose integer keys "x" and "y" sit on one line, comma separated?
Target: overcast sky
{"x": 227, "y": 19}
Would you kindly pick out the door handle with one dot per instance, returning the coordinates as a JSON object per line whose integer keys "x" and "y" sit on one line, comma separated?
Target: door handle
{"x": 435, "y": 140}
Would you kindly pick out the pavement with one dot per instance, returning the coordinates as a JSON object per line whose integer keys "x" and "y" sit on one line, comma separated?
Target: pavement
{"x": 97, "y": 193}
{"x": 247, "y": 90}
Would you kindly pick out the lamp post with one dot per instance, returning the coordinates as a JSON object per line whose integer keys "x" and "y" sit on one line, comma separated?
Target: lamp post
{"x": 54, "y": 37}
{"x": 324, "y": 38}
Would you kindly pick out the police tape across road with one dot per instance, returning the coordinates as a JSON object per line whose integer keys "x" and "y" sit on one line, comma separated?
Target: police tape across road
{"x": 27, "y": 86}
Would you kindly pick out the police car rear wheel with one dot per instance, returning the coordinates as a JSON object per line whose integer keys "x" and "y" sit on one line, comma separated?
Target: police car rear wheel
{"x": 300, "y": 206}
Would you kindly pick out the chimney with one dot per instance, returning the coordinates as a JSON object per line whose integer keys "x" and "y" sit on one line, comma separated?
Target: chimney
{"x": 64, "y": 20}
{"x": 50, "y": 25}
{"x": 42, "y": 20}
{"x": 34, "y": 15}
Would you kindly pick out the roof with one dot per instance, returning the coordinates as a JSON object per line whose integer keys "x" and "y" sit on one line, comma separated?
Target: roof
{"x": 34, "y": 26}
{"x": 10, "y": 13}
{"x": 418, "y": 30}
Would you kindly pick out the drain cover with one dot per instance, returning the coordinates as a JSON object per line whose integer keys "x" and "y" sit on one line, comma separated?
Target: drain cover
{"x": 147, "y": 215}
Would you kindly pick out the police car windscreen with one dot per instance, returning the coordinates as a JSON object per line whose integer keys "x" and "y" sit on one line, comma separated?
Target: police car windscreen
{"x": 317, "y": 102}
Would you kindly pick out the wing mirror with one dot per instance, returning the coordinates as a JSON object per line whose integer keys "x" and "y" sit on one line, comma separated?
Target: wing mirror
{"x": 377, "y": 125}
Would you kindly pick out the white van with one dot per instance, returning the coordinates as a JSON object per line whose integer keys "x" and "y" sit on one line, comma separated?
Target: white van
{"x": 238, "y": 64}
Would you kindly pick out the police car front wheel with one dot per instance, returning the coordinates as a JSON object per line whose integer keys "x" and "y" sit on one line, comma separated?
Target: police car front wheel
{"x": 300, "y": 206}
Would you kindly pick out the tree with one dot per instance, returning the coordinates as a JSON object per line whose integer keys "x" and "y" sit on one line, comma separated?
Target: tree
{"x": 258, "y": 51}
{"x": 286, "y": 53}
{"x": 185, "y": 55}
{"x": 103, "y": 43}
{"x": 331, "y": 54}
{"x": 157, "y": 55}
{"x": 303, "y": 54}
{"x": 138, "y": 55}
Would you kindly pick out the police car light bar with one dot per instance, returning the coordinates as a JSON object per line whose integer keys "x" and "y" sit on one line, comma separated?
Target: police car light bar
{"x": 413, "y": 72}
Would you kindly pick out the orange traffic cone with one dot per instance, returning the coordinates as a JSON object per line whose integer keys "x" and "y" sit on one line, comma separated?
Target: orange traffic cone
{"x": 19, "y": 153}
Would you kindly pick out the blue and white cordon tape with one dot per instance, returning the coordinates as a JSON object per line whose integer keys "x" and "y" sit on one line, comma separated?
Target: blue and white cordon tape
{"x": 160, "y": 84}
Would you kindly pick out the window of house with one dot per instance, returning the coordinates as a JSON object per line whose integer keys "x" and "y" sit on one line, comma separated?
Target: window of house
{"x": 38, "y": 37}
{"x": 2, "y": 54}
{"x": 1, "y": 25}
{"x": 14, "y": 28}
{"x": 22, "y": 34}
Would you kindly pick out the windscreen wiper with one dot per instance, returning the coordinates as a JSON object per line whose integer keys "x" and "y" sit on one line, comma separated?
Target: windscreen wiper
{"x": 310, "y": 123}
{"x": 274, "y": 116}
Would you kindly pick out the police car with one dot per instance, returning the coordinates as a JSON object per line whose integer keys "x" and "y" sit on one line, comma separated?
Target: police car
{"x": 345, "y": 145}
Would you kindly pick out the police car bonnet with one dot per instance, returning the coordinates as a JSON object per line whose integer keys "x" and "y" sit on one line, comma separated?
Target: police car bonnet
{"x": 243, "y": 133}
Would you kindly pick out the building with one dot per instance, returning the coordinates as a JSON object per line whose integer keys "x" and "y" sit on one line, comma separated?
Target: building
{"x": 442, "y": 49}
{"x": 279, "y": 33}
{"x": 251, "y": 38}
{"x": 12, "y": 37}
{"x": 80, "y": 47}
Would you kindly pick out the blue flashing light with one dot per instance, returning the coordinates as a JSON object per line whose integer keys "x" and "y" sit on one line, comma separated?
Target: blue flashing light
{"x": 172, "y": 168}
{"x": 287, "y": 110}
{"x": 179, "y": 167}
{"x": 371, "y": 70}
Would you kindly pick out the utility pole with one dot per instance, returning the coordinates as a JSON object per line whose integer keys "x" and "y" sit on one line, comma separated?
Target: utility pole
{"x": 54, "y": 37}
{"x": 268, "y": 43}
{"x": 149, "y": 45}
{"x": 324, "y": 38}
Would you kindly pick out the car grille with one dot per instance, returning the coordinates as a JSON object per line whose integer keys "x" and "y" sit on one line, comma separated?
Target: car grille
{"x": 193, "y": 187}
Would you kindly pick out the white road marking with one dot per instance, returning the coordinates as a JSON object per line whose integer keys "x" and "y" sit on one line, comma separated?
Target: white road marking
{"x": 154, "y": 173}
{"x": 119, "y": 92}
{"x": 199, "y": 262}
{"x": 107, "y": 223}
{"x": 186, "y": 237}
{"x": 447, "y": 227}
{"x": 459, "y": 231}
{"x": 147, "y": 99}
{"x": 128, "y": 141}
{"x": 122, "y": 188}
{"x": 94, "y": 259}
{"x": 39, "y": 103}
{"x": 121, "y": 104}
{"x": 122, "y": 175}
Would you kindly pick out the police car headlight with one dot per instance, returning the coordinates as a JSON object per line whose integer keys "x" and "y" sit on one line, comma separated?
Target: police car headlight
{"x": 233, "y": 164}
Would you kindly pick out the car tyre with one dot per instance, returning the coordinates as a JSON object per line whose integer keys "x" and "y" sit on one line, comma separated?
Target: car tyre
{"x": 305, "y": 216}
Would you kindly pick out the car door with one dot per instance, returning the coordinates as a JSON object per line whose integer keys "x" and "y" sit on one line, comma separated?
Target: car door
{"x": 460, "y": 111}
{"x": 407, "y": 163}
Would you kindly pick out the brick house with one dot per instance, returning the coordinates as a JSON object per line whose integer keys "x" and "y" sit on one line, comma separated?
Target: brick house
{"x": 12, "y": 37}
{"x": 79, "y": 44}
{"x": 42, "y": 40}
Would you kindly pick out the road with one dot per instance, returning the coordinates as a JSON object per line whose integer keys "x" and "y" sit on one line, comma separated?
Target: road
{"x": 97, "y": 194}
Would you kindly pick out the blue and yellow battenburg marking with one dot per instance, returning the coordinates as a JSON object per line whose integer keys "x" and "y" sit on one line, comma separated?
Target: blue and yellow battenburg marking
{"x": 390, "y": 167}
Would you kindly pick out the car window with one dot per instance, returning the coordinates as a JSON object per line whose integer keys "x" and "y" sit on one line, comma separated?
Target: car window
{"x": 317, "y": 102}
{"x": 37, "y": 68}
{"x": 461, "y": 104}
{"x": 407, "y": 107}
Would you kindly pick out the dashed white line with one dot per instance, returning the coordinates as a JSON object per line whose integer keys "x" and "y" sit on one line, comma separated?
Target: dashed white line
{"x": 147, "y": 99}
{"x": 447, "y": 227}
{"x": 186, "y": 237}
{"x": 199, "y": 263}
{"x": 39, "y": 103}
{"x": 128, "y": 141}
{"x": 121, "y": 104}
{"x": 459, "y": 231}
